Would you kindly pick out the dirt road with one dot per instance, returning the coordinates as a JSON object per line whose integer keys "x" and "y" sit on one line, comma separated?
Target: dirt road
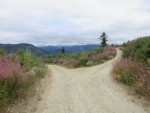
{"x": 86, "y": 90}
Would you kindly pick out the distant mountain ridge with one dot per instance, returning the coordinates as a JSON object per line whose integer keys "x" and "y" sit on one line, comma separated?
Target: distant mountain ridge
{"x": 12, "y": 48}
{"x": 40, "y": 51}
{"x": 68, "y": 49}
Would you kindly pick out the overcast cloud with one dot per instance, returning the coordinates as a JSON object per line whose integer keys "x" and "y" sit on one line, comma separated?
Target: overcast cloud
{"x": 55, "y": 22}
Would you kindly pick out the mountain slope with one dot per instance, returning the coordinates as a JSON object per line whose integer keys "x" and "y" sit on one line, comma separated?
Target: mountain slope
{"x": 68, "y": 49}
{"x": 50, "y": 49}
{"x": 40, "y": 51}
{"x": 11, "y": 48}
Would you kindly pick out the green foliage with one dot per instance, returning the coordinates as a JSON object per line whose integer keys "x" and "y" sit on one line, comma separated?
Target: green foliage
{"x": 80, "y": 59}
{"x": 103, "y": 38}
{"x": 134, "y": 69}
{"x": 139, "y": 49}
{"x": 142, "y": 53}
{"x": 127, "y": 51}
{"x": 99, "y": 49}
{"x": 27, "y": 58}
{"x": 17, "y": 84}
{"x": 32, "y": 78}
{"x": 83, "y": 60}
{"x": 62, "y": 50}
{"x": 124, "y": 44}
{"x": 2, "y": 51}
{"x": 126, "y": 71}
{"x": 9, "y": 89}
{"x": 12, "y": 48}
{"x": 90, "y": 63}
{"x": 148, "y": 60}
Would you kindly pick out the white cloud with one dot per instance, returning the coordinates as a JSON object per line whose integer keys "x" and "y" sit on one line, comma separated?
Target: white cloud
{"x": 72, "y": 21}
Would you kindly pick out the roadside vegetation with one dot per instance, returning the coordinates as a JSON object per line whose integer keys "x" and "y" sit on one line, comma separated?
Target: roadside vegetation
{"x": 134, "y": 68}
{"x": 81, "y": 59}
{"x": 18, "y": 72}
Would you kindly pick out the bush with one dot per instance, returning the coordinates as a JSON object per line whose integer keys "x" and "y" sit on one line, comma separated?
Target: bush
{"x": 9, "y": 74}
{"x": 134, "y": 69}
{"x": 134, "y": 74}
{"x": 139, "y": 48}
{"x": 127, "y": 52}
{"x": 25, "y": 57}
{"x": 83, "y": 60}
{"x": 126, "y": 71}
{"x": 2, "y": 51}
{"x": 17, "y": 74}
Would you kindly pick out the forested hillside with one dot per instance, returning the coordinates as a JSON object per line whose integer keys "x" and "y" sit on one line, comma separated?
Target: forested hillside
{"x": 12, "y": 48}
{"x": 41, "y": 51}
{"x": 68, "y": 49}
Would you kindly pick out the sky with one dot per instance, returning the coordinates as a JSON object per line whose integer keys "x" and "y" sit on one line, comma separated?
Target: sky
{"x": 73, "y": 22}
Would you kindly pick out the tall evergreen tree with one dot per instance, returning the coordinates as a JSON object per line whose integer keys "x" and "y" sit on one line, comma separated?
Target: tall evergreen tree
{"x": 103, "y": 39}
{"x": 62, "y": 50}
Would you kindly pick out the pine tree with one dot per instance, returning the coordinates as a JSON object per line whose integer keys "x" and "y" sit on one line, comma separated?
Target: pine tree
{"x": 103, "y": 39}
{"x": 62, "y": 50}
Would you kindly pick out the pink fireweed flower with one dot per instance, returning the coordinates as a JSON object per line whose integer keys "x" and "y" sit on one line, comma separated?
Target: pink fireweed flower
{"x": 9, "y": 65}
{"x": 62, "y": 61}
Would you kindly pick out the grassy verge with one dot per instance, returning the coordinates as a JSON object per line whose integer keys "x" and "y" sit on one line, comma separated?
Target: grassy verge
{"x": 134, "y": 68}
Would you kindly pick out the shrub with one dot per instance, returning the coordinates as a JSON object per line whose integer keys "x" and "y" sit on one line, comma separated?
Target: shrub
{"x": 2, "y": 51}
{"x": 90, "y": 63}
{"x": 17, "y": 74}
{"x": 134, "y": 69}
{"x": 9, "y": 74}
{"x": 83, "y": 60}
{"x": 127, "y": 52}
{"x": 139, "y": 48}
{"x": 108, "y": 53}
{"x": 134, "y": 74}
{"x": 25, "y": 57}
{"x": 9, "y": 65}
{"x": 126, "y": 71}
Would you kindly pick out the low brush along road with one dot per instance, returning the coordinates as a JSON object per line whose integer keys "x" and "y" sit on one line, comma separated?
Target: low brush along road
{"x": 86, "y": 90}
